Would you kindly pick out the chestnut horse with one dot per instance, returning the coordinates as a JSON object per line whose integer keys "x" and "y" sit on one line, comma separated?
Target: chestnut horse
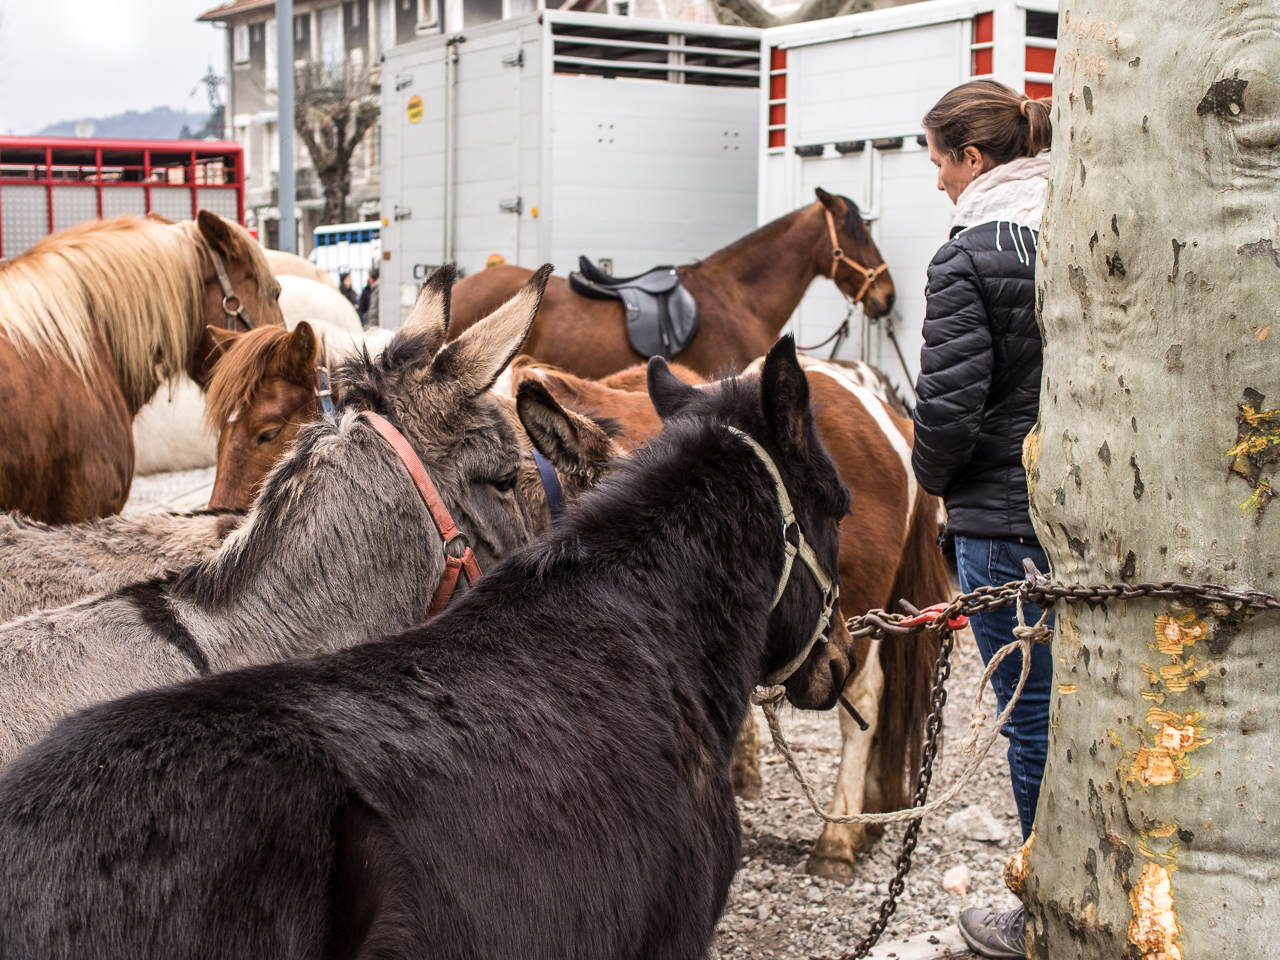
{"x": 92, "y": 320}
{"x": 745, "y": 292}
{"x": 887, "y": 552}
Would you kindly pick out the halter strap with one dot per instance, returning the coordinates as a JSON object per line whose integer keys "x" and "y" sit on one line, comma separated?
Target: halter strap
{"x": 229, "y": 296}
{"x": 439, "y": 514}
{"x": 324, "y": 392}
{"x": 838, "y": 256}
{"x": 551, "y": 486}
{"x": 801, "y": 548}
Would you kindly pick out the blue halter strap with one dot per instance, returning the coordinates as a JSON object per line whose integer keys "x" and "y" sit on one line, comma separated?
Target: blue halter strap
{"x": 551, "y": 484}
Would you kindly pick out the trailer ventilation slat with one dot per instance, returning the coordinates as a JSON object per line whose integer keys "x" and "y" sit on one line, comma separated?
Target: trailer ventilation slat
{"x": 649, "y": 54}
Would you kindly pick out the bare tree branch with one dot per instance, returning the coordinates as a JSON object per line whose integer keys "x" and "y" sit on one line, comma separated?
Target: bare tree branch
{"x": 334, "y": 107}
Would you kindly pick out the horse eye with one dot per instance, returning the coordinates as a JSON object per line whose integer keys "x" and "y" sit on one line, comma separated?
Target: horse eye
{"x": 266, "y": 436}
{"x": 505, "y": 484}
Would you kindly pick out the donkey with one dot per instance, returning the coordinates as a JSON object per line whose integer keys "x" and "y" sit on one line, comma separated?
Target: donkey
{"x": 48, "y": 566}
{"x": 339, "y": 548}
{"x": 540, "y": 772}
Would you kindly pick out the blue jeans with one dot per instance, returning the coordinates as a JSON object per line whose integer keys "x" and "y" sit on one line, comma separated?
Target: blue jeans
{"x": 994, "y": 562}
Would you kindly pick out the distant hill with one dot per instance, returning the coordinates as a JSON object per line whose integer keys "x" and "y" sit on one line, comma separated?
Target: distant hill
{"x": 161, "y": 123}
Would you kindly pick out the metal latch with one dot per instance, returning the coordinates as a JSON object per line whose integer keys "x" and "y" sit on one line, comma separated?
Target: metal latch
{"x": 512, "y": 206}
{"x": 401, "y": 213}
{"x": 402, "y": 82}
{"x": 514, "y": 59}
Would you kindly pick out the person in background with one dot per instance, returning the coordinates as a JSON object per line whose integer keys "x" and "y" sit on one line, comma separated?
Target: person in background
{"x": 979, "y": 396}
{"x": 345, "y": 288}
{"x": 369, "y": 306}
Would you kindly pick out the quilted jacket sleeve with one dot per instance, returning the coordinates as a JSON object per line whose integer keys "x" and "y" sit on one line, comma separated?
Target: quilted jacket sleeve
{"x": 955, "y": 370}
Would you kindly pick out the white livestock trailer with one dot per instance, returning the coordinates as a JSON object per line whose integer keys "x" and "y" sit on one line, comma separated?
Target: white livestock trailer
{"x": 555, "y": 134}
{"x": 842, "y": 110}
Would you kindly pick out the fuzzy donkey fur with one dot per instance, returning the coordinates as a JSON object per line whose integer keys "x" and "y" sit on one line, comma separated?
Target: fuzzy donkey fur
{"x": 48, "y": 566}
{"x": 338, "y": 549}
{"x": 540, "y": 772}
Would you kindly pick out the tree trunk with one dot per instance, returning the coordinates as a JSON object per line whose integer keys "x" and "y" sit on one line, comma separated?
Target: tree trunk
{"x": 1157, "y": 834}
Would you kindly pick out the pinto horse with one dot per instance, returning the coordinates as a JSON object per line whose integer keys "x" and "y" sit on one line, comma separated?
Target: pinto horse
{"x": 745, "y": 292}
{"x": 540, "y": 772}
{"x": 887, "y": 552}
{"x": 92, "y": 320}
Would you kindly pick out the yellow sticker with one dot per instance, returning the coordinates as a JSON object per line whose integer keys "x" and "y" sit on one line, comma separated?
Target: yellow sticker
{"x": 414, "y": 109}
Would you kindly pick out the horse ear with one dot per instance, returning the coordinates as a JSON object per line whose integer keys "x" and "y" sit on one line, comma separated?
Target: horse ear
{"x": 218, "y": 234}
{"x": 222, "y": 340}
{"x": 668, "y": 392}
{"x": 430, "y": 313}
{"x": 573, "y": 443}
{"x": 476, "y": 358}
{"x": 831, "y": 202}
{"x": 784, "y": 395}
{"x": 296, "y": 355}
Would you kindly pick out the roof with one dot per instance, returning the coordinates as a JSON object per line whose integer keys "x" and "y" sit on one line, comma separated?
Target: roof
{"x": 234, "y": 7}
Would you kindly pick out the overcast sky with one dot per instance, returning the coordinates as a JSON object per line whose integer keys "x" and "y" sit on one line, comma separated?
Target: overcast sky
{"x": 68, "y": 59}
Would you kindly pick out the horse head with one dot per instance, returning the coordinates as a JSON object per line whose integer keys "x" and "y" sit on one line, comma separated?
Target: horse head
{"x": 806, "y": 650}
{"x": 859, "y": 269}
{"x": 239, "y": 290}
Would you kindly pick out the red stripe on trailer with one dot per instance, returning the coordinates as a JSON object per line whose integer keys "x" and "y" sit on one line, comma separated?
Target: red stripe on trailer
{"x": 1038, "y": 91}
{"x": 984, "y": 30}
{"x": 1039, "y": 60}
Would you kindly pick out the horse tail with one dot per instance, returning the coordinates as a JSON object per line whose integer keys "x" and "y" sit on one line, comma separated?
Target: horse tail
{"x": 922, "y": 580}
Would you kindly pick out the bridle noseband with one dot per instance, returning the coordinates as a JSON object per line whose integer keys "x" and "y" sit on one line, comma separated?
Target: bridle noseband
{"x": 838, "y": 256}
{"x": 830, "y": 590}
{"x": 229, "y": 296}
{"x": 466, "y": 563}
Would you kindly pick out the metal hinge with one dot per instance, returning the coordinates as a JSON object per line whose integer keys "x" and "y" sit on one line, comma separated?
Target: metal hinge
{"x": 401, "y": 213}
{"x": 512, "y": 206}
{"x": 514, "y": 59}
{"x": 402, "y": 82}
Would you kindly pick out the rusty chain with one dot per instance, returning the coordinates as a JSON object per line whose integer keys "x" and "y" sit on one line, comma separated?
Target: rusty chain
{"x": 1036, "y": 588}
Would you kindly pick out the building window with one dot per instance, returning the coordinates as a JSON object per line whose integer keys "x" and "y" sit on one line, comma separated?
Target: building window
{"x": 386, "y": 25}
{"x": 272, "y": 50}
{"x": 355, "y": 16}
{"x": 331, "y": 36}
{"x": 240, "y": 43}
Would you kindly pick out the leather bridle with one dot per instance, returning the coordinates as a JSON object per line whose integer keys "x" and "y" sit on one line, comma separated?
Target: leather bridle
{"x": 838, "y": 257}
{"x": 229, "y": 296}
{"x": 466, "y": 562}
{"x": 802, "y": 549}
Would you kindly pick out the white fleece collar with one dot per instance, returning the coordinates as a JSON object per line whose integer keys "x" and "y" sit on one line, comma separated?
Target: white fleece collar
{"x": 1013, "y": 192}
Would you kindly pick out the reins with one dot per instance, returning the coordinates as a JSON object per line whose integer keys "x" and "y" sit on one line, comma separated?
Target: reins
{"x": 801, "y": 548}
{"x": 229, "y": 296}
{"x": 466, "y": 563}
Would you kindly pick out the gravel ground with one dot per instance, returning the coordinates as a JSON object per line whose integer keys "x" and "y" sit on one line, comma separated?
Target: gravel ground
{"x": 776, "y": 910}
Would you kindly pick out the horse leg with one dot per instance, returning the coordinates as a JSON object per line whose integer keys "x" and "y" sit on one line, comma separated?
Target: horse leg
{"x": 833, "y": 854}
{"x": 745, "y": 768}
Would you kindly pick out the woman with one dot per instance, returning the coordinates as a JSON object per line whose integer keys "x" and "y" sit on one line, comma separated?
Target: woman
{"x": 979, "y": 394}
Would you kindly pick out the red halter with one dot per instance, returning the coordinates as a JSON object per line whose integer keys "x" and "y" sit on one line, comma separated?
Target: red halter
{"x": 439, "y": 514}
{"x": 869, "y": 274}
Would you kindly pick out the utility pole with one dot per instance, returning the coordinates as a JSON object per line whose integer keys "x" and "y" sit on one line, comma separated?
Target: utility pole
{"x": 284, "y": 125}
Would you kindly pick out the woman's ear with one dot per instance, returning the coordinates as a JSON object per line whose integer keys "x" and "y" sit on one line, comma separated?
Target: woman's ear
{"x": 975, "y": 157}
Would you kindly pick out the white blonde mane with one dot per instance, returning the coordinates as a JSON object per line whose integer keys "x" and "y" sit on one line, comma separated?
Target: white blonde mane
{"x": 134, "y": 282}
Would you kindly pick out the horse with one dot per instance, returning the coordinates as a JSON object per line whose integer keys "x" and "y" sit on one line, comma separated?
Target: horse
{"x": 342, "y": 545}
{"x": 169, "y": 434}
{"x": 745, "y": 292}
{"x": 887, "y": 552}
{"x": 92, "y": 320}
{"x": 539, "y": 772}
{"x": 49, "y": 566}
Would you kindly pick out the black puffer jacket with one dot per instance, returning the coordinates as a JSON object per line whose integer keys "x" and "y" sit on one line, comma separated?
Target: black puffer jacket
{"x": 979, "y": 386}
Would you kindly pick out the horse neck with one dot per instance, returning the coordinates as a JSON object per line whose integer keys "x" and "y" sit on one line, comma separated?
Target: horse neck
{"x": 774, "y": 266}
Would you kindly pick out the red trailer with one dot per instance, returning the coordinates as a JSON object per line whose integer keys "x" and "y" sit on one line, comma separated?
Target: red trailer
{"x": 50, "y": 183}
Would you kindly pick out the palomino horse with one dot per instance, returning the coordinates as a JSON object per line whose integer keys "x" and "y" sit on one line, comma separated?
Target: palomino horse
{"x": 540, "y": 772}
{"x": 92, "y": 320}
{"x": 340, "y": 547}
{"x": 746, "y": 293}
{"x": 887, "y": 552}
{"x": 48, "y": 566}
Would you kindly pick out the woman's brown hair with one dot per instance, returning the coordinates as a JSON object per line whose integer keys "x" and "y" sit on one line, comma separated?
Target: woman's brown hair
{"x": 998, "y": 120}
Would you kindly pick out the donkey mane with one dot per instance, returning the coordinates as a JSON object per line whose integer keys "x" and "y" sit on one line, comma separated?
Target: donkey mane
{"x": 137, "y": 282}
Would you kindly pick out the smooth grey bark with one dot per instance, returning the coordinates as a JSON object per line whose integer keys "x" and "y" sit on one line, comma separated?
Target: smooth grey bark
{"x": 1154, "y": 459}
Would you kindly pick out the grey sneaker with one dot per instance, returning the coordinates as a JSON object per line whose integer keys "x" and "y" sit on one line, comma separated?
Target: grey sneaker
{"x": 995, "y": 934}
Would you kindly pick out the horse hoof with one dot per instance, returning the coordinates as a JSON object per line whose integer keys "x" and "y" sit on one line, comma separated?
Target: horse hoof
{"x": 830, "y": 869}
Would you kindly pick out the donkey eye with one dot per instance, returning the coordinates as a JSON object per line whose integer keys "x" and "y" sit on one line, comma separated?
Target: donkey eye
{"x": 504, "y": 484}
{"x": 266, "y": 436}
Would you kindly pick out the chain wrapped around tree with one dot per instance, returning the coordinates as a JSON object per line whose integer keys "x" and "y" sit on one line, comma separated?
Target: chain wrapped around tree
{"x": 335, "y": 106}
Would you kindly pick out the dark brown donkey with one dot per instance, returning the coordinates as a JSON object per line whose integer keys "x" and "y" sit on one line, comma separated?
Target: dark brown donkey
{"x": 746, "y": 293}
{"x": 887, "y": 553}
{"x": 92, "y": 321}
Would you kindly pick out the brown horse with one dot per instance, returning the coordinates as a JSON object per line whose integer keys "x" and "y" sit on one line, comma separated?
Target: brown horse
{"x": 887, "y": 553}
{"x": 745, "y": 292}
{"x": 92, "y": 321}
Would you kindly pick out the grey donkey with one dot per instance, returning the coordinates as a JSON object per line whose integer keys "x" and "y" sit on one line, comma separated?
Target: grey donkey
{"x": 51, "y": 565}
{"x": 338, "y": 548}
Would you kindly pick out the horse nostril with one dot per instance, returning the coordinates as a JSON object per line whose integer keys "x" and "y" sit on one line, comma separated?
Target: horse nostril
{"x": 888, "y": 302}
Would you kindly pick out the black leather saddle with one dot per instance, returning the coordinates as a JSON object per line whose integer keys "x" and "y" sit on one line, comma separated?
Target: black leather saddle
{"x": 662, "y": 316}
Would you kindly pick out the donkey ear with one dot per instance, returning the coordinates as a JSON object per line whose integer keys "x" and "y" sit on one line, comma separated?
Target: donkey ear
{"x": 668, "y": 392}
{"x": 430, "y": 313}
{"x": 476, "y": 358}
{"x": 297, "y": 353}
{"x": 784, "y": 394}
{"x": 573, "y": 443}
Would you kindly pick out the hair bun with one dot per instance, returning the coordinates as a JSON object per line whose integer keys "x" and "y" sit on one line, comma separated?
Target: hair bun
{"x": 1023, "y": 108}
